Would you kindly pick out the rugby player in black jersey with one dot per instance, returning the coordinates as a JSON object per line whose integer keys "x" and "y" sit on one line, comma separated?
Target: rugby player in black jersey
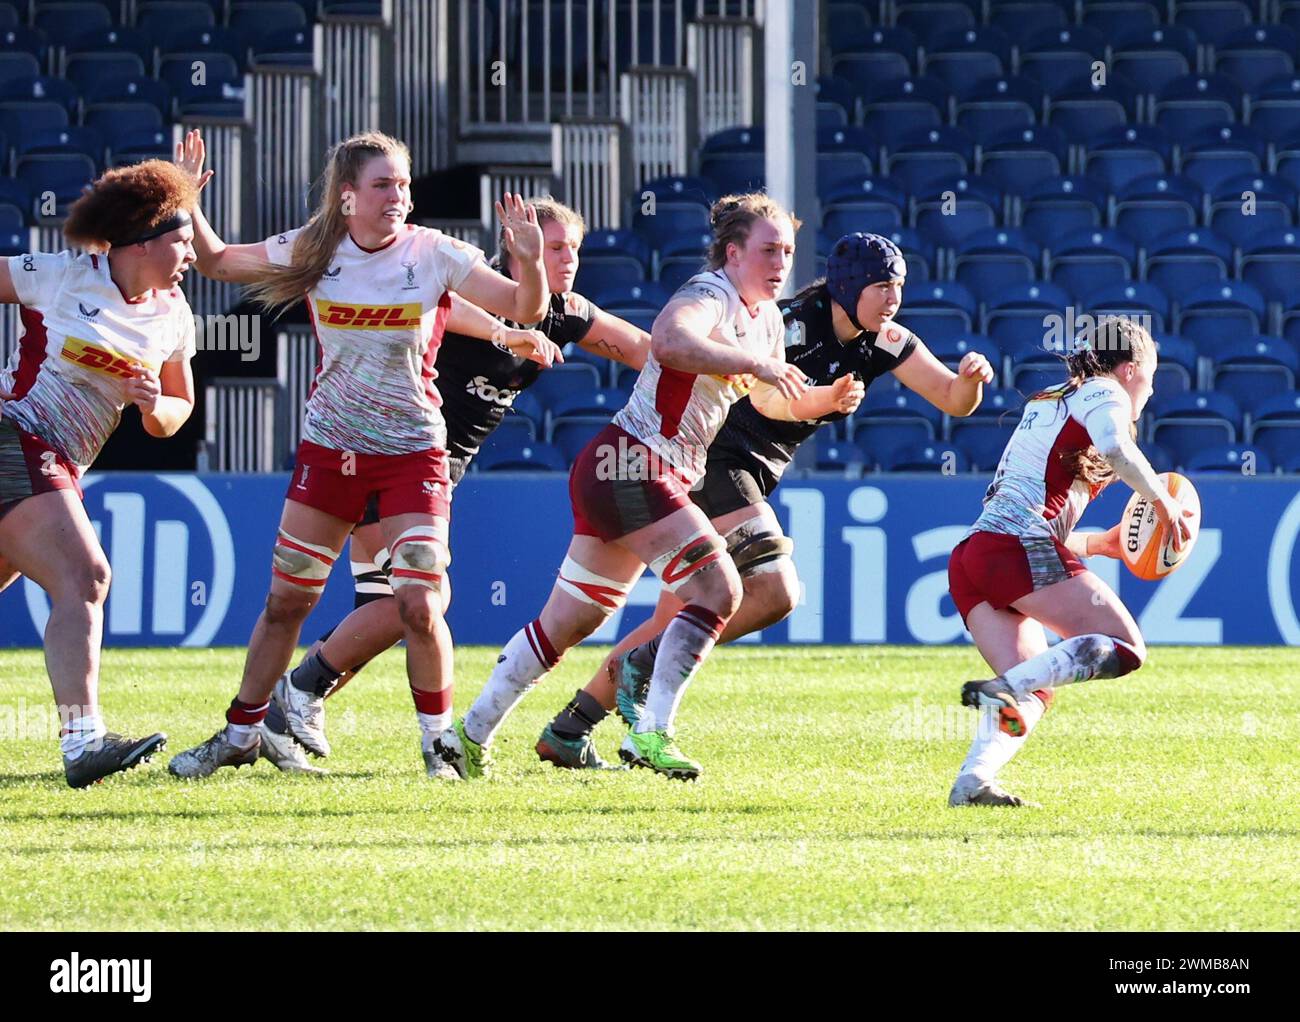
{"x": 840, "y": 333}
{"x": 477, "y": 382}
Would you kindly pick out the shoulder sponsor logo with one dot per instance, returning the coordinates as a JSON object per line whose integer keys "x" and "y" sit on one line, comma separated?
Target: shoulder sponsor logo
{"x": 29, "y": 264}
{"x": 1099, "y": 392}
{"x": 345, "y": 316}
{"x": 100, "y": 358}
{"x": 891, "y": 339}
{"x": 334, "y": 273}
{"x": 86, "y": 312}
{"x": 283, "y": 239}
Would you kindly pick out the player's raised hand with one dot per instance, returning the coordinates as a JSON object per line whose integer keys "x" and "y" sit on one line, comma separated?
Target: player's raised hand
{"x": 523, "y": 233}
{"x": 786, "y": 378}
{"x": 975, "y": 366}
{"x": 846, "y": 394}
{"x": 190, "y": 155}
{"x": 144, "y": 388}
{"x": 532, "y": 345}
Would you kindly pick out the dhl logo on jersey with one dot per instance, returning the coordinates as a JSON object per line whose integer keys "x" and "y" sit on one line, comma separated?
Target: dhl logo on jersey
{"x": 100, "y": 358}
{"x": 343, "y": 316}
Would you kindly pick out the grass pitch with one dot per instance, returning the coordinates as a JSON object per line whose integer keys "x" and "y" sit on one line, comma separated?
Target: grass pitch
{"x": 1170, "y": 803}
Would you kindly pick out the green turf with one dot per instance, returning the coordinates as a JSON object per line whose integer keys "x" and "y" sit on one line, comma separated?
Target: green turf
{"x": 1170, "y": 802}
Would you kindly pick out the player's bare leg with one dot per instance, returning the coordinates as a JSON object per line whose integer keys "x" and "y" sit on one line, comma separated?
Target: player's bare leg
{"x": 49, "y": 538}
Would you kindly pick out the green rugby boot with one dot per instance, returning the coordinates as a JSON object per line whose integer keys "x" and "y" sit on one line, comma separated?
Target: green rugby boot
{"x": 656, "y": 750}
{"x": 469, "y": 759}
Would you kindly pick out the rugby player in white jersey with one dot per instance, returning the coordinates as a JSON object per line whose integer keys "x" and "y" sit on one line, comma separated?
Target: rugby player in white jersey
{"x": 1018, "y": 569}
{"x": 720, "y": 333}
{"x": 379, "y": 294}
{"x": 100, "y": 331}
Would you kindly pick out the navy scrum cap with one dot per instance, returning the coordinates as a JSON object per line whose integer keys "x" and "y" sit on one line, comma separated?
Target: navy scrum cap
{"x": 856, "y": 261}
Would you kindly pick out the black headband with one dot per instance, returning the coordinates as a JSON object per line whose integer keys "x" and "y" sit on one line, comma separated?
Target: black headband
{"x": 177, "y": 220}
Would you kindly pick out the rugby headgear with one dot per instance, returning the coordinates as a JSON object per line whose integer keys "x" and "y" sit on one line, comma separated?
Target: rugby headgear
{"x": 856, "y": 261}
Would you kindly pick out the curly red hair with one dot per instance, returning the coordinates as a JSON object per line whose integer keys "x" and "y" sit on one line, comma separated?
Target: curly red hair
{"x": 127, "y": 202}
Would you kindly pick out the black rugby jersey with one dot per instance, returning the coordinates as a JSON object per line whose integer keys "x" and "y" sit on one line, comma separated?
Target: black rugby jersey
{"x": 478, "y": 381}
{"x": 810, "y": 344}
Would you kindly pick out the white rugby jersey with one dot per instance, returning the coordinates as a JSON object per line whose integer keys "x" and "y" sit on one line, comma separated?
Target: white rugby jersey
{"x": 1033, "y": 493}
{"x": 80, "y": 340}
{"x": 677, "y": 414}
{"x": 379, "y": 318}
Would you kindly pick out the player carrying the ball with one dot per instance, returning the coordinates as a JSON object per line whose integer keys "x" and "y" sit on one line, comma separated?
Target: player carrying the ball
{"x": 1018, "y": 569}
{"x": 100, "y": 331}
{"x": 841, "y": 333}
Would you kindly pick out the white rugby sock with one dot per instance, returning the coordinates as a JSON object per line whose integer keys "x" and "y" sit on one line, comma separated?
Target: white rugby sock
{"x": 80, "y": 732}
{"x": 523, "y": 661}
{"x": 685, "y": 643}
{"x": 993, "y": 748}
{"x": 1073, "y": 660}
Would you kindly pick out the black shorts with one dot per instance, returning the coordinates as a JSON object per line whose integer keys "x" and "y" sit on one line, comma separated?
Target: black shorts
{"x": 456, "y": 469}
{"x": 731, "y": 482}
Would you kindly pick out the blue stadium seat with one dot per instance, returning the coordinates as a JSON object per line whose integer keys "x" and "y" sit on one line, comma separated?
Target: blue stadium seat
{"x": 287, "y": 47}
{"x": 1034, "y": 367}
{"x": 20, "y": 117}
{"x": 1217, "y": 314}
{"x": 1156, "y": 204}
{"x": 513, "y": 432}
{"x": 115, "y": 119}
{"x": 887, "y": 54}
{"x": 130, "y": 89}
{"x": 564, "y": 382}
{"x": 893, "y": 418}
{"x": 1177, "y": 367}
{"x": 266, "y": 16}
{"x": 951, "y": 350}
{"x": 992, "y": 105}
{"x": 671, "y": 220}
{"x": 1054, "y": 209}
{"x": 982, "y": 436}
{"x": 1131, "y": 299}
{"x": 1117, "y": 18}
{"x": 966, "y": 55}
{"x": 1274, "y": 109}
{"x": 952, "y": 209}
{"x": 734, "y": 140}
{"x": 85, "y": 69}
{"x": 1085, "y": 110}
{"x": 930, "y": 20}
{"x": 1213, "y": 155}
{"x": 141, "y": 144}
{"x": 41, "y": 87}
{"x": 8, "y": 15}
{"x": 838, "y": 456}
{"x": 735, "y": 172}
{"x": 679, "y": 188}
{"x": 1252, "y": 371}
{"x": 681, "y": 259}
{"x": 14, "y": 195}
{"x": 15, "y": 242}
{"x": 919, "y": 251}
{"x": 1271, "y": 262}
{"x": 838, "y": 94}
{"x": 1231, "y": 459}
{"x": 1060, "y": 57}
{"x": 1187, "y": 423}
{"x": 13, "y": 220}
{"x": 514, "y": 456}
{"x": 1023, "y": 20}
{"x": 926, "y": 155}
{"x": 1090, "y": 260}
{"x": 1020, "y": 159}
{"x": 178, "y": 71}
{"x": 64, "y": 174}
{"x": 1185, "y": 259}
{"x": 872, "y": 205}
{"x": 114, "y": 38}
{"x": 604, "y": 266}
{"x": 1152, "y": 56}
{"x": 623, "y": 244}
{"x": 1272, "y": 207}
{"x": 943, "y": 458}
{"x": 26, "y": 40}
{"x": 894, "y": 109}
{"x": 18, "y": 65}
{"x": 1255, "y": 55}
{"x": 842, "y": 156}
{"x": 1196, "y": 101}
{"x": 159, "y": 16}
{"x": 1275, "y": 427}
{"x": 63, "y": 21}
{"x": 192, "y": 43}
{"x": 647, "y": 297}
{"x": 72, "y": 139}
{"x": 937, "y": 310}
{"x": 571, "y": 435}
{"x": 1020, "y": 315}
{"x": 989, "y": 261}
{"x": 1213, "y": 21}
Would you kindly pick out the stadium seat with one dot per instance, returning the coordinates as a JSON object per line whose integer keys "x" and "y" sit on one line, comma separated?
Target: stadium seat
{"x": 20, "y": 117}
{"x": 1021, "y": 315}
{"x": 143, "y": 144}
{"x": 1020, "y": 159}
{"x": 993, "y": 105}
{"x": 289, "y": 47}
{"x": 85, "y": 69}
{"x": 990, "y": 260}
{"x": 15, "y": 242}
{"x": 945, "y": 459}
{"x": 1177, "y": 367}
{"x": 1060, "y": 57}
{"x": 838, "y": 456}
{"x": 159, "y": 16}
{"x": 1271, "y": 262}
{"x": 1233, "y": 459}
{"x": 649, "y": 297}
{"x": 937, "y": 309}
{"x": 1213, "y": 155}
{"x": 1182, "y": 260}
{"x": 926, "y": 155}
{"x": 951, "y": 350}
{"x": 1055, "y": 209}
{"x": 530, "y": 456}
{"x": 1274, "y": 109}
{"x": 671, "y": 220}
{"x": 571, "y": 435}
{"x": 26, "y": 40}
{"x": 265, "y": 15}
{"x": 1275, "y": 428}
{"x": 1243, "y": 208}
{"x": 130, "y": 89}
{"x": 1157, "y": 204}
{"x": 1035, "y": 367}
{"x": 1115, "y": 157}
{"x": 966, "y": 55}
{"x": 62, "y": 21}
{"x": 873, "y": 205}
{"x": 679, "y": 188}
{"x": 1152, "y": 56}
{"x": 1090, "y": 260}
{"x": 1116, "y": 18}
{"x": 893, "y": 418}
{"x": 1216, "y": 314}
{"x": 1130, "y": 300}
{"x": 952, "y": 209}
{"x": 600, "y": 270}
{"x": 72, "y": 139}
{"x": 1213, "y": 21}
{"x": 682, "y": 259}
{"x": 621, "y": 244}
{"x": 1196, "y": 101}
{"x": 733, "y": 173}
{"x": 1187, "y": 423}
{"x": 930, "y": 20}
{"x": 982, "y": 436}
{"x": 1084, "y": 110}
{"x": 65, "y": 175}
{"x": 1023, "y": 20}
{"x": 919, "y": 252}
{"x": 895, "y": 108}
{"x": 1255, "y": 55}
{"x": 837, "y": 98}
{"x": 1252, "y": 371}
{"x": 842, "y": 156}
{"x": 886, "y": 54}
{"x": 14, "y": 195}
{"x": 17, "y": 65}
{"x": 116, "y": 119}
{"x": 566, "y": 381}
{"x": 190, "y": 44}
{"x": 114, "y": 38}
{"x": 9, "y": 15}
{"x": 41, "y": 88}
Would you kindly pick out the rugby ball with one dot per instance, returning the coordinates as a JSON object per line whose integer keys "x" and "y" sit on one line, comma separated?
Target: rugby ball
{"x": 1144, "y": 540}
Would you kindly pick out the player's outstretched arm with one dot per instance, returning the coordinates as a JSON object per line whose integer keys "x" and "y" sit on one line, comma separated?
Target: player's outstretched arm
{"x": 616, "y": 339}
{"x": 469, "y": 320}
{"x": 956, "y": 393}
{"x": 237, "y": 264}
{"x": 843, "y": 397}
